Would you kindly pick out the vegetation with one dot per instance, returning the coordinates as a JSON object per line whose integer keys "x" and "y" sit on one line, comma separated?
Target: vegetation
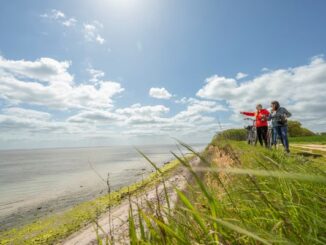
{"x": 247, "y": 195}
{"x": 55, "y": 227}
{"x": 232, "y": 134}
{"x": 295, "y": 129}
{"x": 318, "y": 139}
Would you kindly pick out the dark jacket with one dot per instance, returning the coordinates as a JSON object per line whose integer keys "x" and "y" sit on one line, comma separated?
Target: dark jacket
{"x": 279, "y": 117}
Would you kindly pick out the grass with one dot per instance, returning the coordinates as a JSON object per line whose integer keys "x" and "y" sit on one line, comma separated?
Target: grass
{"x": 317, "y": 139}
{"x": 261, "y": 197}
{"x": 51, "y": 229}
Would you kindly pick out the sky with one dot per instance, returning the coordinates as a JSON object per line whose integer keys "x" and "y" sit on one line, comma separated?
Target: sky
{"x": 128, "y": 72}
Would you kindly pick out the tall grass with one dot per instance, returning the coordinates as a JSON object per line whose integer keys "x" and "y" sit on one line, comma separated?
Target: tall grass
{"x": 261, "y": 197}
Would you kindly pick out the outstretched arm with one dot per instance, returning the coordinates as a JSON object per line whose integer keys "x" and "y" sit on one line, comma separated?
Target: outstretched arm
{"x": 250, "y": 114}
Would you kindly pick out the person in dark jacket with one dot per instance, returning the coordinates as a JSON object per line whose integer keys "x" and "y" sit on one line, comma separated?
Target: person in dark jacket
{"x": 279, "y": 116}
{"x": 261, "y": 116}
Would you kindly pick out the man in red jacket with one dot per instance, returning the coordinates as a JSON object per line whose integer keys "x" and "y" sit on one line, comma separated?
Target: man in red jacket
{"x": 261, "y": 116}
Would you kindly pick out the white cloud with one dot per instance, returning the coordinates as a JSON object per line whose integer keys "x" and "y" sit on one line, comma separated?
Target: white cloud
{"x": 96, "y": 75}
{"x": 91, "y": 32}
{"x": 241, "y": 75}
{"x": 95, "y": 116}
{"x": 15, "y": 124}
{"x": 154, "y": 119}
{"x": 19, "y": 123}
{"x": 138, "y": 114}
{"x": 43, "y": 69}
{"x": 218, "y": 88}
{"x": 60, "y": 17}
{"x": 47, "y": 82}
{"x": 89, "y": 96}
{"x": 134, "y": 122}
{"x": 100, "y": 39}
{"x": 203, "y": 106}
{"x": 183, "y": 100}
{"x": 125, "y": 118}
{"x": 138, "y": 109}
{"x": 301, "y": 89}
{"x": 26, "y": 113}
{"x": 54, "y": 14}
{"x": 197, "y": 117}
{"x": 160, "y": 93}
{"x": 69, "y": 22}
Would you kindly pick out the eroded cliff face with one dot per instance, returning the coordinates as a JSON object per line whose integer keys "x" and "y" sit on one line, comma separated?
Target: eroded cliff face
{"x": 220, "y": 157}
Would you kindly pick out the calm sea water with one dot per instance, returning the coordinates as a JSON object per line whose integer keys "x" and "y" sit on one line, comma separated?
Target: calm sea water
{"x": 34, "y": 183}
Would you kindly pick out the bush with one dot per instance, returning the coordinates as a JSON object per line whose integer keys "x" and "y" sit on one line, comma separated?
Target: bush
{"x": 295, "y": 129}
{"x": 239, "y": 134}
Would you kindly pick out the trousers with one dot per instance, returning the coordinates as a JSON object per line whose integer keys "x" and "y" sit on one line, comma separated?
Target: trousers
{"x": 262, "y": 135}
{"x": 282, "y": 133}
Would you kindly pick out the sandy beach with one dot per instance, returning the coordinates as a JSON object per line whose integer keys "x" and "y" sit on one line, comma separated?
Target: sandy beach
{"x": 119, "y": 214}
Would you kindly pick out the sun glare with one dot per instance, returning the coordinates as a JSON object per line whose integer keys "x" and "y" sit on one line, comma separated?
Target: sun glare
{"x": 124, "y": 4}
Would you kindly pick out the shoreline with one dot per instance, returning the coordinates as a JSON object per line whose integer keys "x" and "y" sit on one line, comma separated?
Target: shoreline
{"x": 115, "y": 222}
{"x": 54, "y": 227}
{"x": 41, "y": 183}
{"x": 33, "y": 210}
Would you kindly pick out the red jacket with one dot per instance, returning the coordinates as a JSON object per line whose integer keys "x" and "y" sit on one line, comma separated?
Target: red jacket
{"x": 261, "y": 117}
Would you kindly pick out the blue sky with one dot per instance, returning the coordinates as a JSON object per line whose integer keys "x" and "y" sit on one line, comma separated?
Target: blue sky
{"x": 187, "y": 53}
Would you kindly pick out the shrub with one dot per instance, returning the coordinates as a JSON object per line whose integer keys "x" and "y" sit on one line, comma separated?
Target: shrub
{"x": 295, "y": 129}
{"x": 239, "y": 134}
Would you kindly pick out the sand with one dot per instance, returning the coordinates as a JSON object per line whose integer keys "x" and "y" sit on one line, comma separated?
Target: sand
{"x": 119, "y": 214}
{"x": 311, "y": 146}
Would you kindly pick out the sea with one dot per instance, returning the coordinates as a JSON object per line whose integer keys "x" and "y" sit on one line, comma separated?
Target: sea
{"x": 37, "y": 182}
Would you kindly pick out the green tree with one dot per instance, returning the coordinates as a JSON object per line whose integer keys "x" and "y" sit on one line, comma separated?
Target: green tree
{"x": 295, "y": 129}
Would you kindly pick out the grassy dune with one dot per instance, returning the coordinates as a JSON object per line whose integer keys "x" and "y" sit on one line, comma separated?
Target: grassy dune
{"x": 242, "y": 195}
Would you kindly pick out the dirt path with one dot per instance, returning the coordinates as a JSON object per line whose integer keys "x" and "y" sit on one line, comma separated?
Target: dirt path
{"x": 310, "y": 147}
{"x": 119, "y": 214}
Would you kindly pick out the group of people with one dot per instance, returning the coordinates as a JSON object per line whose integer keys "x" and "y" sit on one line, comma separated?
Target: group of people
{"x": 278, "y": 116}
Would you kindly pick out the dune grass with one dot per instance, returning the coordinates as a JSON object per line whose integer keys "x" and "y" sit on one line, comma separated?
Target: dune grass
{"x": 51, "y": 229}
{"x": 262, "y": 197}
